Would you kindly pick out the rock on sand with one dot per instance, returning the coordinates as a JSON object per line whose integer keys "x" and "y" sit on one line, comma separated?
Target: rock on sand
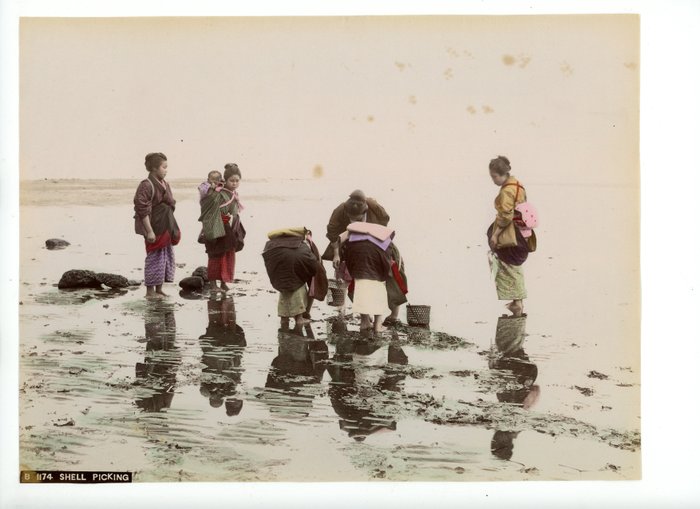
{"x": 57, "y": 244}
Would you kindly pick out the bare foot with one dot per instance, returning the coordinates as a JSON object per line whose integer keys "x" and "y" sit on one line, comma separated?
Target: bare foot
{"x": 515, "y": 308}
{"x": 224, "y": 287}
{"x": 378, "y": 325}
{"x": 161, "y": 294}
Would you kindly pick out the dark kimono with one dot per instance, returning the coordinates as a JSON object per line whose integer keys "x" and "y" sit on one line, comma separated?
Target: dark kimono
{"x": 290, "y": 263}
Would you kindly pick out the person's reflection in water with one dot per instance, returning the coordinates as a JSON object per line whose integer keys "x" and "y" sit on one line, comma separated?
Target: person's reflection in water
{"x": 349, "y": 385}
{"x": 158, "y": 371}
{"x": 300, "y": 363}
{"x": 222, "y": 350}
{"x": 510, "y": 358}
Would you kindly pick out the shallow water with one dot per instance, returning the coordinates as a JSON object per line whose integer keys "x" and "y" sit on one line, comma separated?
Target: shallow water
{"x": 198, "y": 389}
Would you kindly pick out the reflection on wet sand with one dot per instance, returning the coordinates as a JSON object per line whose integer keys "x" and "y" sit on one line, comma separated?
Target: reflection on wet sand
{"x": 158, "y": 371}
{"x": 73, "y": 296}
{"x": 299, "y": 364}
{"x": 519, "y": 374}
{"x": 350, "y": 389}
{"x": 222, "y": 350}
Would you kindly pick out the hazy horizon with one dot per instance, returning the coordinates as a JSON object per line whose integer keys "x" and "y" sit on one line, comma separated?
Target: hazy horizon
{"x": 378, "y": 97}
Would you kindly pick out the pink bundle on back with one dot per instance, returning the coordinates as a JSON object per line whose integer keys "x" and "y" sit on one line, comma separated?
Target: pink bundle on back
{"x": 528, "y": 218}
{"x": 377, "y": 231}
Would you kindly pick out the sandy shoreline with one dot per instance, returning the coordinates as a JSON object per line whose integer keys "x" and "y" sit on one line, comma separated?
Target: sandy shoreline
{"x": 101, "y": 388}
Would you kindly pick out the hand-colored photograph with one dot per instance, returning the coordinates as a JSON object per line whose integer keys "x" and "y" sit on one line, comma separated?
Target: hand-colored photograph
{"x": 330, "y": 249}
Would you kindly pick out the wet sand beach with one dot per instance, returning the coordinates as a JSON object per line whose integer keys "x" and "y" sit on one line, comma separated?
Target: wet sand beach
{"x": 172, "y": 390}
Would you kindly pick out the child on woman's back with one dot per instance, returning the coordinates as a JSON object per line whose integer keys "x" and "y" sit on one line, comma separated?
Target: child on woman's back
{"x": 213, "y": 181}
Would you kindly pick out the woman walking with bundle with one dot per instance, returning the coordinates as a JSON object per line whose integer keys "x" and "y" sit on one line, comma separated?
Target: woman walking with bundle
{"x": 154, "y": 218}
{"x": 221, "y": 229}
{"x": 507, "y": 237}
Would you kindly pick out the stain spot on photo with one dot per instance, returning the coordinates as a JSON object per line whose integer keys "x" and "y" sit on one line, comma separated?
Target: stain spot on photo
{"x": 508, "y": 60}
{"x": 521, "y": 60}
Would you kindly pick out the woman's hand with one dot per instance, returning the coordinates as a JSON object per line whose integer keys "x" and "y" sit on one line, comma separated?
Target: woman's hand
{"x": 336, "y": 254}
{"x": 493, "y": 240}
{"x": 150, "y": 236}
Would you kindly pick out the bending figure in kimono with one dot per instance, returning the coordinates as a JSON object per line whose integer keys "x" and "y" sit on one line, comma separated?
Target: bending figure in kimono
{"x": 360, "y": 208}
{"x": 366, "y": 249}
{"x": 296, "y": 271}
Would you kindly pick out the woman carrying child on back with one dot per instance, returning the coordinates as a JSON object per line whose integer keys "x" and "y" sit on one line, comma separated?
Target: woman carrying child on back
{"x": 220, "y": 206}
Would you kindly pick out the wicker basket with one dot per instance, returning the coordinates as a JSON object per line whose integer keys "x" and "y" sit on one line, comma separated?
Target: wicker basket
{"x": 417, "y": 315}
{"x": 336, "y": 292}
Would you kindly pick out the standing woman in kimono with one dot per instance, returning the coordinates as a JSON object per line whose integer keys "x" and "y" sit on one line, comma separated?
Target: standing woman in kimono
{"x": 154, "y": 218}
{"x": 219, "y": 213}
{"x": 505, "y": 240}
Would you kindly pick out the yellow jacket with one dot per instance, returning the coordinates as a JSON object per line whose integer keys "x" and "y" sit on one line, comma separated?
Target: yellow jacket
{"x": 511, "y": 194}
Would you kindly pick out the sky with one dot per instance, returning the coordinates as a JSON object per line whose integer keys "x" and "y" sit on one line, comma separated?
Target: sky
{"x": 332, "y": 96}
{"x": 564, "y": 89}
